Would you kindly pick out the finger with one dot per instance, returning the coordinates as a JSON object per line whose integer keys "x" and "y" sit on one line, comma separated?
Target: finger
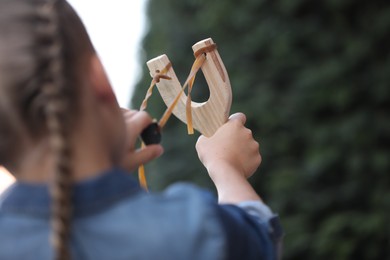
{"x": 128, "y": 113}
{"x": 201, "y": 139}
{"x": 139, "y": 121}
{"x": 147, "y": 154}
{"x": 238, "y": 116}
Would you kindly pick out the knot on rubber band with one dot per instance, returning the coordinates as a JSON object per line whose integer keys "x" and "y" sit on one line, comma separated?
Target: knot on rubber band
{"x": 159, "y": 76}
{"x": 204, "y": 50}
{"x": 162, "y": 74}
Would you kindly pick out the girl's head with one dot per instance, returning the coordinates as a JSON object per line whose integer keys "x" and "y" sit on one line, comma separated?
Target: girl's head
{"x": 44, "y": 53}
{"x": 50, "y": 82}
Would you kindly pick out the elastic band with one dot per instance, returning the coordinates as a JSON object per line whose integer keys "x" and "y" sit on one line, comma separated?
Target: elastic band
{"x": 195, "y": 67}
{"x": 156, "y": 79}
{"x": 141, "y": 174}
{"x": 206, "y": 49}
{"x": 162, "y": 74}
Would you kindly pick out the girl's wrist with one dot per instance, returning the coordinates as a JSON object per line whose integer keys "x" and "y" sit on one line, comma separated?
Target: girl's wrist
{"x": 220, "y": 171}
{"x": 232, "y": 185}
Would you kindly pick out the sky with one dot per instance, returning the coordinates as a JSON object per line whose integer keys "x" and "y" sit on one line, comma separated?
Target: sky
{"x": 116, "y": 28}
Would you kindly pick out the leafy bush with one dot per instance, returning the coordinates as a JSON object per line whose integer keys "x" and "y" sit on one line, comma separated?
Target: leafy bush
{"x": 313, "y": 79}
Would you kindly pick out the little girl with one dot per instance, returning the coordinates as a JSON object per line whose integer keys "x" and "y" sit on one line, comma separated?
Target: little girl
{"x": 71, "y": 148}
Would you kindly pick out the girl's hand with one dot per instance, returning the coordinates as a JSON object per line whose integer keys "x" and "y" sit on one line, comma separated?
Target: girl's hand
{"x": 233, "y": 147}
{"x": 135, "y": 122}
{"x": 231, "y": 156}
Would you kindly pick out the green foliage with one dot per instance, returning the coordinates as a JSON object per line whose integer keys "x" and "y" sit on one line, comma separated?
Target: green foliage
{"x": 313, "y": 79}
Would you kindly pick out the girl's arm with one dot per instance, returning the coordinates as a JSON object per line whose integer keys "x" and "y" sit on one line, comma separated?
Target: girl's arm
{"x": 231, "y": 156}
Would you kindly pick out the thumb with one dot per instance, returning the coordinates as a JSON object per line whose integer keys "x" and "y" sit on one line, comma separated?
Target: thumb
{"x": 148, "y": 153}
{"x": 142, "y": 156}
{"x": 238, "y": 116}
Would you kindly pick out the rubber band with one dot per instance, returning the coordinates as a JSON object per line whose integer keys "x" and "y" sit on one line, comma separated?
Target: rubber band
{"x": 195, "y": 67}
{"x": 156, "y": 79}
{"x": 204, "y": 50}
{"x": 199, "y": 53}
{"x": 142, "y": 177}
{"x": 141, "y": 174}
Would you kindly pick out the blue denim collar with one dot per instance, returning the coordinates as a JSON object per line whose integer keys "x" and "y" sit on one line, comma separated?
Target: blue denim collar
{"x": 88, "y": 197}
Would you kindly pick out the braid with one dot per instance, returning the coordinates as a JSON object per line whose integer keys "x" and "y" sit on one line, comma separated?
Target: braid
{"x": 56, "y": 117}
{"x": 44, "y": 50}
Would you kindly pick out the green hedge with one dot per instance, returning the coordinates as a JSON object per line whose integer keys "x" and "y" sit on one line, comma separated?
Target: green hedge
{"x": 313, "y": 78}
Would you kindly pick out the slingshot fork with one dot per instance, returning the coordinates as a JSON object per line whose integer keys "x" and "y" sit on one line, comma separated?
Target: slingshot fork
{"x": 208, "y": 116}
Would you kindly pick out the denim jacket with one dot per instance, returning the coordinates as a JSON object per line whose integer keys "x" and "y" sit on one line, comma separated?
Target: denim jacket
{"x": 114, "y": 219}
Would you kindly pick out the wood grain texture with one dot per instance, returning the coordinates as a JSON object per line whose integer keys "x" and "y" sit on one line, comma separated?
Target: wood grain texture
{"x": 207, "y": 116}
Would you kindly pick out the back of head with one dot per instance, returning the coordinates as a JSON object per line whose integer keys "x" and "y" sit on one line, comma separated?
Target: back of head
{"x": 40, "y": 46}
{"x": 44, "y": 49}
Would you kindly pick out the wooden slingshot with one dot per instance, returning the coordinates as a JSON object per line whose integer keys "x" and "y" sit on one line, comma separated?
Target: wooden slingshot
{"x": 205, "y": 117}
{"x": 208, "y": 116}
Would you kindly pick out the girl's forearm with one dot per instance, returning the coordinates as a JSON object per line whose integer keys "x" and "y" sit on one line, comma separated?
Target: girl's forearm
{"x": 232, "y": 187}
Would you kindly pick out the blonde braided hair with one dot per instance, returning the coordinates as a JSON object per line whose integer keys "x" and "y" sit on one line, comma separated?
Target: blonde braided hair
{"x": 56, "y": 114}
{"x": 44, "y": 48}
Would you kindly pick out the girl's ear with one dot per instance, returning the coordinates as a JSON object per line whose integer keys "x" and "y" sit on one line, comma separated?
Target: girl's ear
{"x": 99, "y": 81}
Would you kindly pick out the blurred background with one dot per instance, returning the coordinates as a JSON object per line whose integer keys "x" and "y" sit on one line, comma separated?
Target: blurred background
{"x": 313, "y": 78}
